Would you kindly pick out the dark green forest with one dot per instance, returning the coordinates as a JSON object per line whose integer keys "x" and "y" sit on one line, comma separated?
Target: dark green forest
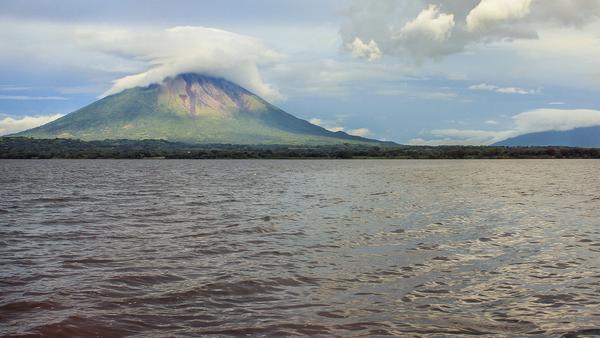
{"x": 29, "y": 148}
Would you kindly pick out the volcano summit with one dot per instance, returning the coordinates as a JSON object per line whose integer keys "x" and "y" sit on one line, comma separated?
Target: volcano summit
{"x": 189, "y": 108}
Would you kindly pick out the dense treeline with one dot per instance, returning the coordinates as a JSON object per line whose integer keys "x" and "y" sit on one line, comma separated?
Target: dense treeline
{"x": 19, "y": 147}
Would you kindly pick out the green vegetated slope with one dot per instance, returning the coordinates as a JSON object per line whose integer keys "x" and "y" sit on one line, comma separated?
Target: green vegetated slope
{"x": 190, "y": 108}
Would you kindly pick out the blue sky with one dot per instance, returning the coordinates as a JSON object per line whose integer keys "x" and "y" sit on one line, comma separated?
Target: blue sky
{"x": 418, "y": 72}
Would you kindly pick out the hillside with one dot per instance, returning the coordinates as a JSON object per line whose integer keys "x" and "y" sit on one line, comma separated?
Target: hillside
{"x": 579, "y": 137}
{"x": 189, "y": 108}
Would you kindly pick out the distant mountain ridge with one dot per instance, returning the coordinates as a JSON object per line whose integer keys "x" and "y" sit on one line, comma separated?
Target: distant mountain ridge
{"x": 190, "y": 108}
{"x": 588, "y": 137}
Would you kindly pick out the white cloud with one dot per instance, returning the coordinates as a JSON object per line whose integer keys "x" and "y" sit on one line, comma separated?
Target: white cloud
{"x": 429, "y": 24}
{"x": 432, "y": 29}
{"x": 489, "y": 12}
{"x": 491, "y": 122}
{"x": 419, "y": 29}
{"x": 483, "y": 86}
{"x": 147, "y": 55}
{"x": 188, "y": 49}
{"x": 31, "y": 98}
{"x": 10, "y": 125}
{"x": 52, "y": 46}
{"x": 555, "y": 119}
{"x": 335, "y": 129}
{"x": 359, "y": 132}
{"x": 427, "y": 34}
{"x": 515, "y": 90}
{"x": 532, "y": 121}
{"x": 503, "y": 90}
{"x": 369, "y": 51}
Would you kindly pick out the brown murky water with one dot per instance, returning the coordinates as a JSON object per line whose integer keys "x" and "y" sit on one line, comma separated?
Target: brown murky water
{"x": 186, "y": 248}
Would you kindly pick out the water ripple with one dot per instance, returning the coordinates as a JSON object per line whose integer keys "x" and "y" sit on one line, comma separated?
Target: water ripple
{"x": 311, "y": 248}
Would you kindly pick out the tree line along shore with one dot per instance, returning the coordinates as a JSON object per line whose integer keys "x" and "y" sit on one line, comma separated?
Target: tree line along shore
{"x": 29, "y": 148}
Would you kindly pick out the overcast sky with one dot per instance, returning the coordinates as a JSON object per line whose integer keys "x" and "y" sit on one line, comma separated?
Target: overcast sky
{"x": 410, "y": 71}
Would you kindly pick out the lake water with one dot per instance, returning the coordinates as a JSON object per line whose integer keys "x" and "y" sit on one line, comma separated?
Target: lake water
{"x": 258, "y": 247}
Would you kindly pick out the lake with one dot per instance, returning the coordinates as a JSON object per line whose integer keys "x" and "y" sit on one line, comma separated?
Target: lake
{"x": 291, "y": 247}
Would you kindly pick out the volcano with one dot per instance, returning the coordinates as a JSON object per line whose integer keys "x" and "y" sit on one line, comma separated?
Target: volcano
{"x": 190, "y": 108}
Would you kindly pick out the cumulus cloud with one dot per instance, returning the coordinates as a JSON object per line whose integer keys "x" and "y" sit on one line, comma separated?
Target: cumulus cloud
{"x": 503, "y": 90}
{"x": 489, "y": 12}
{"x": 431, "y": 29}
{"x": 10, "y": 125}
{"x": 369, "y": 51}
{"x": 532, "y": 121}
{"x": 187, "y": 49}
{"x": 427, "y": 34}
{"x": 430, "y": 23}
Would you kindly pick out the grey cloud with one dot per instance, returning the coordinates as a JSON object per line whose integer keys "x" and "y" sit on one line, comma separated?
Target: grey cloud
{"x": 444, "y": 27}
{"x": 567, "y": 12}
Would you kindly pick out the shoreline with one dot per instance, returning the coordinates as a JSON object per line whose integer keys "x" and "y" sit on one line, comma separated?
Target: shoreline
{"x": 28, "y": 148}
